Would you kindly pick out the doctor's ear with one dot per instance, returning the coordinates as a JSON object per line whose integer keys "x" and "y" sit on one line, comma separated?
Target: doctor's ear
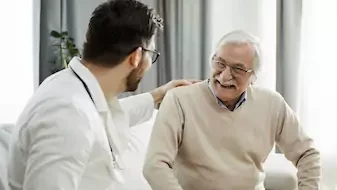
{"x": 136, "y": 57}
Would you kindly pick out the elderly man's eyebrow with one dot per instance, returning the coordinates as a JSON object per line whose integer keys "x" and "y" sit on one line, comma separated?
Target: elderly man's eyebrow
{"x": 241, "y": 65}
{"x": 220, "y": 59}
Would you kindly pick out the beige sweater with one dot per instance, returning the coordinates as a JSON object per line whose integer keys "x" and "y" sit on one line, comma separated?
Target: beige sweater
{"x": 196, "y": 145}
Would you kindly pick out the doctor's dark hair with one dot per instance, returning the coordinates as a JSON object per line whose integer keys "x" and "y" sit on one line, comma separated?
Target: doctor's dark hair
{"x": 117, "y": 28}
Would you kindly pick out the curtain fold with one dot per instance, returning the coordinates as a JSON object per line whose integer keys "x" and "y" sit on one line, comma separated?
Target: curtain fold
{"x": 183, "y": 39}
{"x": 181, "y": 43}
{"x": 288, "y": 50}
{"x": 62, "y": 15}
{"x": 288, "y": 40}
{"x": 51, "y": 19}
{"x": 36, "y": 41}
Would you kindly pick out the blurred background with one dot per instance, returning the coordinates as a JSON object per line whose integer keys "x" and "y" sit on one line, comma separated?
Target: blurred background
{"x": 298, "y": 41}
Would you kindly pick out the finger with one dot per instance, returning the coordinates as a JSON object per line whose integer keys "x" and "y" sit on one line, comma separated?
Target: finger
{"x": 194, "y": 80}
{"x": 185, "y": 82}
{"x": 191, "y": 81}
{"x": 182, "y": 82}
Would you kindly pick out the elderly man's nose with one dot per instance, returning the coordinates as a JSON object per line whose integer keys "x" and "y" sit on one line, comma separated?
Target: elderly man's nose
{"x": 226, "y": 73}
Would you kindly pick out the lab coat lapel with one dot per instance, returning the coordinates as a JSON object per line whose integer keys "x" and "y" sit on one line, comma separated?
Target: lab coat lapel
{"x": 115, "y": 137}
{"x": 114, "y": 122}
{"x": 116, "y": 164}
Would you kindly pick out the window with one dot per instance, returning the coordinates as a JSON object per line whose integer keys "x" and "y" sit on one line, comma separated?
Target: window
{"x": 319, "y": 71}
{"x": 17, "y": 69}
{"x": 319, "y": 85}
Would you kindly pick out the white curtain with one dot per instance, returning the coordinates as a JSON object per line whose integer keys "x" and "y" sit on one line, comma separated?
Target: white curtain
{"x": 17, "y": 73}
{"x": 318, "y": 72}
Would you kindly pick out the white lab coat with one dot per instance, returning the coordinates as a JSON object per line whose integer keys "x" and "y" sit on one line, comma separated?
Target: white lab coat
{"x": 61, "y": 140}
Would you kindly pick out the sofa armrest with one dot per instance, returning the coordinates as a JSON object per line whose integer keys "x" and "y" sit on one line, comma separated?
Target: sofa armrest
{"x": 281, "y": 174}
{"x": 5, "y": 138}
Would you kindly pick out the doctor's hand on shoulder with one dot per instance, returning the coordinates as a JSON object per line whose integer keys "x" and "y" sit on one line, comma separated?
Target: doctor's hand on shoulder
{"x": 159, "y": 93}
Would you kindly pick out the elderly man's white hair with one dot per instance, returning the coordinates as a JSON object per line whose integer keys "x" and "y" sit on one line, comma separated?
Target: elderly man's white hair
{"x": 242, "y": 37}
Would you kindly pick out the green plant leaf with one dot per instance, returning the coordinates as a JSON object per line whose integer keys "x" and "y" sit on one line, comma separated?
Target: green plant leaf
{"x": 65, "y": 50}
{"x": 73, "y": 52}
{"x": 65, "y": 33}
{"x": 65, "y": 64}
{"x": 69, "y": 45}
{"x": 68, "y": 60}
{"x": 55, "y": 34}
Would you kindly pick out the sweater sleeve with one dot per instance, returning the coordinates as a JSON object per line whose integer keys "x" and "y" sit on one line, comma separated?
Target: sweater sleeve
{"x": 298, "y": 148}
{"x": 163, "y": 146}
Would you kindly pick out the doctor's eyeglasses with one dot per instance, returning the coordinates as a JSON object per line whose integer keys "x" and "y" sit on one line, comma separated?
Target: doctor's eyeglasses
{"x": 153, "y": 53}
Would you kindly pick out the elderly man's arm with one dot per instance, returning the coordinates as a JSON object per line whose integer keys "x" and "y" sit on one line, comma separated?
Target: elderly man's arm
{"x": 163, "y": 147}
{"x": 298, "y": 148}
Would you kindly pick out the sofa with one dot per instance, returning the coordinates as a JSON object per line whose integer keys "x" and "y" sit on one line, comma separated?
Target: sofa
{"x": 5, "y": 135}
{"x": 280, "y": 173}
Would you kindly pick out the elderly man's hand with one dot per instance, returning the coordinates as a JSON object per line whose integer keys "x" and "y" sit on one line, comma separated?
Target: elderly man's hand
{"x": 159, "y": 93}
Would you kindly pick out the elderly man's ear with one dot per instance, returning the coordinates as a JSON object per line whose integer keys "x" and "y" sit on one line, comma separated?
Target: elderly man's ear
{"x": 253, "y": 79}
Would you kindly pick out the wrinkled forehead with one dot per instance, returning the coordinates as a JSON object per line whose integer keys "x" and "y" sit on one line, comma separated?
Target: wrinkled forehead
{"x": 242, "y": 53}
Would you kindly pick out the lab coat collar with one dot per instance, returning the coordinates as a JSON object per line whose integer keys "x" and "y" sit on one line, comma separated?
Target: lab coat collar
{"x": 92, "y": 83}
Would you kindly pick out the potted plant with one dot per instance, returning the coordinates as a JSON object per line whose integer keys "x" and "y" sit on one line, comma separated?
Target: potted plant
{"x": 65, "y": 49}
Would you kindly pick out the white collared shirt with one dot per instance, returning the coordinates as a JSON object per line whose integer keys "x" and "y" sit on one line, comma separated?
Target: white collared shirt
{"x": 62, "y": 139}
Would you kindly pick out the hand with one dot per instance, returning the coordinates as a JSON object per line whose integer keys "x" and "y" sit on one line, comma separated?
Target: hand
{"x": 176, "y": 83}
{"x": 159, "y": 93}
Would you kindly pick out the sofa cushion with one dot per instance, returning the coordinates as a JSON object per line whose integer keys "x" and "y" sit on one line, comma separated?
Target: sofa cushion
{"x": 280, "y": 173}
{"x": 5, "y": 136}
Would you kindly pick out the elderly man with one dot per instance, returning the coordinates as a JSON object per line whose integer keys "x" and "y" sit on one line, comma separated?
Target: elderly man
{"x": 216, "y": 134}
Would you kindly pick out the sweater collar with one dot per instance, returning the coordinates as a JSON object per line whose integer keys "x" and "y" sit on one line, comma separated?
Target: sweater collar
{"x": 242, "y": 99}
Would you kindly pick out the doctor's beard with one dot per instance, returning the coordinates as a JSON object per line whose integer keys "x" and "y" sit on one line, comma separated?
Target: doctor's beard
{"x": 133, "y": 80}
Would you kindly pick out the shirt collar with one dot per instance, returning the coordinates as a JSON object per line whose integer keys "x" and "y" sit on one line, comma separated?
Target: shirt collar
{"x": 242, "y": 99}
{"x": 93, "y": 86}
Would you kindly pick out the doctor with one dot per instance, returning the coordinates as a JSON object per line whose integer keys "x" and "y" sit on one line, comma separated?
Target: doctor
{"x": 73, "y": 131}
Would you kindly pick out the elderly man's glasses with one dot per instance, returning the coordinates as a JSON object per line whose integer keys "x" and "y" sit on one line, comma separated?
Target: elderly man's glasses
{"x": 153, "y": 53}
{"x": 220, "y": 65}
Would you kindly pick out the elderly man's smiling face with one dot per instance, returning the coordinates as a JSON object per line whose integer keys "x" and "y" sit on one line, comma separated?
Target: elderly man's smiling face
{"x": 232, "y": 71}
